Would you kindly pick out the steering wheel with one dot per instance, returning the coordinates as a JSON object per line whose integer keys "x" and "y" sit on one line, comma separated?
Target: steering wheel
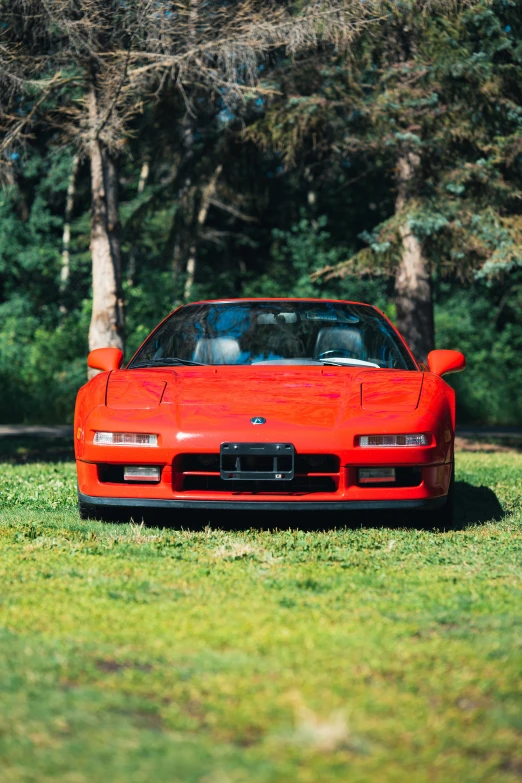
{"x": 340, "y": 353}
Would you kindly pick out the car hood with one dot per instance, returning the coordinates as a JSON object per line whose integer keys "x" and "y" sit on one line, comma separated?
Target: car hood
{"x": 203, "y": 397}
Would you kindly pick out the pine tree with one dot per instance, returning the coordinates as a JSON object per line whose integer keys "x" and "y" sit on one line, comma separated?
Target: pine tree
{"x": 429, "y": 104}
{"x": 88, "y": 68}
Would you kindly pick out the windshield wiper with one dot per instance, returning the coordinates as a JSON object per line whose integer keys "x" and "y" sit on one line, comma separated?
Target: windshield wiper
{"x": 167, "y": 362}
{"x": 342, "y": 361}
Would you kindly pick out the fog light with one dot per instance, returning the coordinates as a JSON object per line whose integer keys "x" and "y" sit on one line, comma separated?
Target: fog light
{"x": 141, "y": 473}
{"x": 417, "y": 439}
{"x": 125, "y": 439}
{"x": 376, "y": 475}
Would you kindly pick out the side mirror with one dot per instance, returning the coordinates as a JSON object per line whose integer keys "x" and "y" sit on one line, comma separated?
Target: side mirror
{"x": 105, "y": 359}
{"x": 443, "y": 362}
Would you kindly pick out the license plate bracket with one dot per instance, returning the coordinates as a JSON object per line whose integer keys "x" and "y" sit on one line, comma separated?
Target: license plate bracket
{"x": 259, "y": 461}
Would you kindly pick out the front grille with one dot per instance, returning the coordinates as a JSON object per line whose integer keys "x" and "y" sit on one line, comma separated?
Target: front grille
{"x": 201, "y": 473}
{"x": 192, "y": 463}
{"x": 317, "y": 463}
{"x": 298, "y": 485}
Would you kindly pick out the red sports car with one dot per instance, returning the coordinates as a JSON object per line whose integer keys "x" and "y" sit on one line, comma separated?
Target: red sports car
{"x": 268, "y": 404}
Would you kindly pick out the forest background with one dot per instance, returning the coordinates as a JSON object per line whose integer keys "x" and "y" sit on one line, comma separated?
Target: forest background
{"x": 259, "y": 149}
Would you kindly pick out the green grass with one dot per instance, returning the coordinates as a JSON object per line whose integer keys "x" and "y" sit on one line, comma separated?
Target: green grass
{"x": 133, "y": 654}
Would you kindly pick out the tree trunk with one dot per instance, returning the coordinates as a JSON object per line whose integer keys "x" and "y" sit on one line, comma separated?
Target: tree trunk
{"x": 107, "y": 325}
{"x": 413, "y": 283}
{"x": 179, "y": 236}
{"x": 191, "y": 273}
{"x": 144, "y": 176}
{"x": 65, "y": 271}
{"x": 207, "y": 193}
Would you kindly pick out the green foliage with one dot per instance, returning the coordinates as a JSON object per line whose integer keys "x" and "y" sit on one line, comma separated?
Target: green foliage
{"x": 444, "y": 87}
{"x": 41, "y": 368}
{"x": 294, "y": 257}
{"x": 487, "y": 326}
{"x": 316, "y": 191}
{"x": 134, "y": 653}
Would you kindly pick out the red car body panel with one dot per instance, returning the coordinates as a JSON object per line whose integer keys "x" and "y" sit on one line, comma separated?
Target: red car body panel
{"x": 321, "y": 410}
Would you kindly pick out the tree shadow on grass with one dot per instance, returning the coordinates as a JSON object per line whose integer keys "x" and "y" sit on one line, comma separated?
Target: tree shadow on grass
{"x": 473, "y": 506}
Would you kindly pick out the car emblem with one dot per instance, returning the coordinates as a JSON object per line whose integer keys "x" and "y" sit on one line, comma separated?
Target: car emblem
{"x": 257, "y": 420}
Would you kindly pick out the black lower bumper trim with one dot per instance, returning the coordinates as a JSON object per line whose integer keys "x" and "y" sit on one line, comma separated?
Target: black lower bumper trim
{"x": 426, "y": 504}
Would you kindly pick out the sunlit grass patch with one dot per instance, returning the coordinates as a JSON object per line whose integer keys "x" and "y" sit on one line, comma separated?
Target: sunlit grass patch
{"x": 133, "y": 653}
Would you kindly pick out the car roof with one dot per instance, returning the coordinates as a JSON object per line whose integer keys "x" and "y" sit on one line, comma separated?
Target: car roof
{"x": 278, "y": 299}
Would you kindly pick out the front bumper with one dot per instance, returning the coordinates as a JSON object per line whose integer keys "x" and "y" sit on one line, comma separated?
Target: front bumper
{"x": 346, "y": 495}
{"x": 262, "y": 505}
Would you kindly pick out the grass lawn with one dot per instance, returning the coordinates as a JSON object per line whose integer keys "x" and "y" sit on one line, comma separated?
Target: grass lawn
{"x": 140, "y": 655}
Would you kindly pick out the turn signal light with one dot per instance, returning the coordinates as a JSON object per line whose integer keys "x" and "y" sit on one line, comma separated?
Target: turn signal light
{"x": 125, "y": 439}
{"x": 417, "y": 439}
{"x": 376, "y": 475}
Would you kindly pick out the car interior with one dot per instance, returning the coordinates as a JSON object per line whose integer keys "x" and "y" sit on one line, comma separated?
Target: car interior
{"x": 282, "y": 344}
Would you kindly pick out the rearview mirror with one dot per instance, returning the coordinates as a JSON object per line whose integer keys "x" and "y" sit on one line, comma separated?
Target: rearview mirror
{"x": 105, "y": 359}
{"x": 444, "y": 362}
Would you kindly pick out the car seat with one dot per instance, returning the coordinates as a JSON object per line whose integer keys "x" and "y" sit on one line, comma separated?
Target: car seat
{"x": 338, "y": 338}
{"x": 217, "y": 350}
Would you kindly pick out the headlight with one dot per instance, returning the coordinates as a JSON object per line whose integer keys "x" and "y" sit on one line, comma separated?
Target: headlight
{"x": 125, "y": 439}
{"x": 417, "y": 439}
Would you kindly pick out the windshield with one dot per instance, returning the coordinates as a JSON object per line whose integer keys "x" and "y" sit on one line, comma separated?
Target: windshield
{"x": 275, "y": 332}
